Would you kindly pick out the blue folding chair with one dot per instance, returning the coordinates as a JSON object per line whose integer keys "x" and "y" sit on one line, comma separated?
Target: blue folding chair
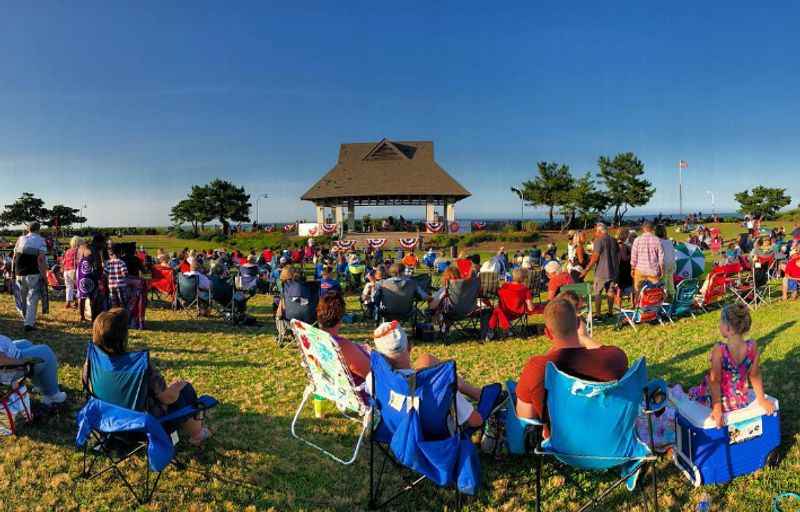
{"x": 116, "y": 420}
{"x": 685, "y": 300}
{"x": 592, "y": 427}
{"x": 415, "y": 430}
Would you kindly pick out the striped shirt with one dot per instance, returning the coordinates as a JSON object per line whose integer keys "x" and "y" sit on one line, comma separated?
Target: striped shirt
{"x": 647, "y": 255}
{"x": 117, "y": 273}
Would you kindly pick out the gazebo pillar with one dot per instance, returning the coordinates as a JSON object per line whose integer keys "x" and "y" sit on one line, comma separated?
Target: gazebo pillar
{"x": 449, "y": 211}
{"x": 320, "y": 214}
{"x": 351, "y": 215}
{"x": 339, "y": 213}
{"x": 430, "y": 211}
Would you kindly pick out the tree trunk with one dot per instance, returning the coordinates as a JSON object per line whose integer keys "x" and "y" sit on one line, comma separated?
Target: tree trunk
{"x": 551, "y": 216}
{"x": 226, "y": 227}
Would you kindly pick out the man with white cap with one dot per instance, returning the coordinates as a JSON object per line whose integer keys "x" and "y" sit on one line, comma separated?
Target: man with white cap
{"x": 556, "y": 278}
{"x": 391, "y": 342}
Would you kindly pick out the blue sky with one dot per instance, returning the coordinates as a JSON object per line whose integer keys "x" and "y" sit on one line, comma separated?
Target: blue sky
{"x": 124, "y": 107}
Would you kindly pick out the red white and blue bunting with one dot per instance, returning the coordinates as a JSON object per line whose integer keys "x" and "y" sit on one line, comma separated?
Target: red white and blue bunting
{"x": 288, "y": 228}
{"x": 269, "y": 228}
{"x": 478, "y": 225}
{"x": 376, "y": 243}
{"x": 454, "y": 227}
{"x": 313, "y": 231}
{"x": 329, "y": 229}
{"x": 408, "y": 243}
{"x": 434, "y": 227}
{"x": 345, "y": 245}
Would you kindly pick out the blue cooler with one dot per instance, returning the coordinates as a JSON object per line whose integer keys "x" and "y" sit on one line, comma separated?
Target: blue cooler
{"x": 709, "y": 455}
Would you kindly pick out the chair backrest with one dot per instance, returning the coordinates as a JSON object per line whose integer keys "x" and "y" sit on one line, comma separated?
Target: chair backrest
{"x": 327, "y": 370}
{"x": 424, "y": 282}
{"x": 221, "y": 290}
{"x": 162, "y": 279}
{"x": 248, "y": 276}
{"x": 119, "y": 380}
{"x": 490, "y": 282}
{"x": 430, "y": 391}
{"x": 397, "y": 297}
{"x": 650, "y": 303}
{"x": 462, "y": 296}
{"x": 187, "y": 287}
{"x": 595, "y": 419}
{"x": 303, "y": 306}
{"x": 513, "y": 300}
{"x": 685, "y": 294}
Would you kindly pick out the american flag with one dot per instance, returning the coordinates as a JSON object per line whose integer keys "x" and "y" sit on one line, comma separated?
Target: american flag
{"x": 683, "y": 164}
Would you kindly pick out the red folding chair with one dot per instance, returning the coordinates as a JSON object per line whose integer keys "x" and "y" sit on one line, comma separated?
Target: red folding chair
{"x": 740, "y": 283}
{"x": 715, "y": 291}
{"x": 163, "y": 282}
{"x": 511, "y": 312}
{"x": 649, "y": 307}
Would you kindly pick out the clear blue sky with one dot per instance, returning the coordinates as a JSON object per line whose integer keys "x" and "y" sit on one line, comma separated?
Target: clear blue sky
{"x": 124, "y": 107}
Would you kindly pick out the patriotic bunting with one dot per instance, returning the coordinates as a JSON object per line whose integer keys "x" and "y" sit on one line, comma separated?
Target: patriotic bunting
{"x": 329, "y": 229}
{"x": 478, "y": 225}
{"x": 454, "y": 227}
{"x": 408, "y": 243}
{"x": 269, "y": 228}
{"x": 312, "y": 231}
{"x": 345, "y": 245}
{"x": 434, "y": 227}
{"x": 376, "y": 243}
{"x": 288, "y": 228}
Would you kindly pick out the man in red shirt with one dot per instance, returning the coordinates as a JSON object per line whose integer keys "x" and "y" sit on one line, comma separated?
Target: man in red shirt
{"x": 601, "y": 364}
{"x": 556, "y": 279}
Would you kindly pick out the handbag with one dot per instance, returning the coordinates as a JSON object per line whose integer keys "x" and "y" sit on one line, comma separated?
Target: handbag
{"x": 15, "y": 410}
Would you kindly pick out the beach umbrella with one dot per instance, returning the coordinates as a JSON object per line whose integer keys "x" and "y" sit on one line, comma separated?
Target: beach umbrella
{"x": 689, "y": 261}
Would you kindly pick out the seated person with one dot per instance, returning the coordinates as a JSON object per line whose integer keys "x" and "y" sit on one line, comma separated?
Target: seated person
{"x": 203, "y": 283}
{"x": 556, "y": 278}
{"x": 601, "y": 364}
{"x": 330, "y": 310}
{"x": 733, "y": 362}
{"x": 397, "y": 274}
{"x": 410, "y": 260}
{"x": 368, "y": 294}
{"x": 465, "y": 265}
{"x": 328, "y": 284}
{"x": 391, "y": 342}
{"x": 791, "y": 284}
{"x": 45, "y": 374}
{"x": 110, "y": 334}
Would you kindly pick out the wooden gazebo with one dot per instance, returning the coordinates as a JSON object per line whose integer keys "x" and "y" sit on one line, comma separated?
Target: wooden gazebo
{"x": 385, "y": 173}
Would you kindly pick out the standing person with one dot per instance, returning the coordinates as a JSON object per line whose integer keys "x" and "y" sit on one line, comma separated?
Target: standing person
{"x": 87, "y": 277}
{"x": 70, "y": 264}
{"x": 605, "y": 260}
{"x": 624, "y": 275}
{"x": 30, "y": 271}
{"x": 117, "y": 274}
{"x": 669, "y": 259}
{"x": 647, "y": 258}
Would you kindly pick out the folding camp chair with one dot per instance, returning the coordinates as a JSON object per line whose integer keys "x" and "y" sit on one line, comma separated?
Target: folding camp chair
{"x": 763, "y": 271}
{"x": 115, "y": 425}
{"x": 188, "y": 293}
{"x": 14, "y": 398}
{"x": 460, "y": 307}
{"x": 225, "y": 299}
{"x": 592, "y": 428}
{"x": 490, "y": 283}
{"x": 162, "y": 281}
{"x": 536, "y": 282}
{"x": 330, "y": 379}
{"x": 414, "y": 431}
{"x": 247, "y": 280}
{"x": 584, "y": 292}
{"x": 302, "y": 307}
{"x": 716, "y": 290}
{"x": 511, "y": 312}
{"x": 740, "y": 283}
{"x": 684, "y": 302}
{"x": 649, "y": 307}
{"x": 396, "y": 301}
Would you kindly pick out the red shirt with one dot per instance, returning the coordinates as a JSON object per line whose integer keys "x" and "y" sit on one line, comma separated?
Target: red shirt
{"x": 465, "y": 267}
{"x": 267, "y": 255}
{"x": 555, "y": 284}
{"x": 600, "y": 365}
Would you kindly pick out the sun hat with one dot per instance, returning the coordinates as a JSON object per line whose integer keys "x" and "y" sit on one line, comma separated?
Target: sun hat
{"x": 390, "y": 339}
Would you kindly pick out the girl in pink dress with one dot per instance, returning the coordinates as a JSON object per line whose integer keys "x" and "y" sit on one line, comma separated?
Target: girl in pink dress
{"x": 733, "y": 363}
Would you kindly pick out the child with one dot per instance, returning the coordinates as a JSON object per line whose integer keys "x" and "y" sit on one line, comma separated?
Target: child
{"x": 328, "y": 283}
{"x": 117, "y": 273}
{"x": 725, "y": 388}
{"x": 368, "y": 294}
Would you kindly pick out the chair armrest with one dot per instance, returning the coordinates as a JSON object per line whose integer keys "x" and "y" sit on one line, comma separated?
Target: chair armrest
{"x": 530, "y": 422}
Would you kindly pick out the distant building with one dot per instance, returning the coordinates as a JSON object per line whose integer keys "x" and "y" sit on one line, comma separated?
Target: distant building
{"x": 385, "y": 173}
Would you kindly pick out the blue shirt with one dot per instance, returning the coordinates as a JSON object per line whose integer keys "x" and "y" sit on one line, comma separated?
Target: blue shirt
{"x": 329, "y": 285}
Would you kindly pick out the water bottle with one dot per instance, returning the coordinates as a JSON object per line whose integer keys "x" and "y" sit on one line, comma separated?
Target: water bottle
{"x": 705, "y": 503}
{"x": 318, "y": 403}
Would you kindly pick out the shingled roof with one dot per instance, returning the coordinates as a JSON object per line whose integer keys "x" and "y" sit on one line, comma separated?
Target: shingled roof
{"x": 386, "y": 169}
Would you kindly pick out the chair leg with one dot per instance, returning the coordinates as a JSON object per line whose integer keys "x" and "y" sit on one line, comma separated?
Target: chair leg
{"x": 538, "y": 483}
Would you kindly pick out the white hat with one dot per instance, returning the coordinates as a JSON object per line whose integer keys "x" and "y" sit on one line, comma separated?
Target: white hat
{"x": 552, "y": 267}
{"x": 390, "y": 339}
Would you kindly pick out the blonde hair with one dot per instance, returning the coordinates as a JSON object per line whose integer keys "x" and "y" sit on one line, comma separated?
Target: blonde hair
{"x": 74, "y": 242}
{"x": 737, "y": 317}
{"x": 519, "y": 275}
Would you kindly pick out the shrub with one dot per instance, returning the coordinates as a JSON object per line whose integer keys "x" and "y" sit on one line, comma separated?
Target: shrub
{"x": 530, "y": 226}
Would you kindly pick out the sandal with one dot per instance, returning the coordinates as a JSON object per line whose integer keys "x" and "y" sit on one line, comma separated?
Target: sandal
{"x": 205, "y": 434}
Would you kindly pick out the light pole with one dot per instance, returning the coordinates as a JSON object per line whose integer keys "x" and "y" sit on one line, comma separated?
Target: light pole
{"x": 258, "y": 200}
{"x": 83, "y": 224}
{"x": 713, "y": 209}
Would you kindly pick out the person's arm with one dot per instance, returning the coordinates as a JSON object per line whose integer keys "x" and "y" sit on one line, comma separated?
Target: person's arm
{"x": 41, "y": 260}
{"x": 172, "y": 392}
{"x": 714, "y": 386}
{"x": 660, "y": 252}
{"x": 634, "y": 255}
{"x": 5, "y": 360}
{"x": 758, "y": 387}
{"x": 584, "y": 338}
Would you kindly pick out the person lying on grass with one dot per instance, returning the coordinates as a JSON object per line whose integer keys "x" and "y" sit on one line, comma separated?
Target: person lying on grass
{"x": 391, "y": 342}
{"x": 601, "y": 364}
{"x": 110, "y": 334}
{"x": 733, "y": 362}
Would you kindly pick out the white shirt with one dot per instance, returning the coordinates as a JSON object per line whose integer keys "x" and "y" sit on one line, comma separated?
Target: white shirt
{"x": 464, "y": 407}
{"x": 30, "y": 243}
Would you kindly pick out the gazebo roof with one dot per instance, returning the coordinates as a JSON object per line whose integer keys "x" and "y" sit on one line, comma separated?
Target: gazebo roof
{"x": 386, "y": 169}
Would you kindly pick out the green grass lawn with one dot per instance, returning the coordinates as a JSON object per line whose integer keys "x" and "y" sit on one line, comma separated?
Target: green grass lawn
{"x": 253, "y": 463}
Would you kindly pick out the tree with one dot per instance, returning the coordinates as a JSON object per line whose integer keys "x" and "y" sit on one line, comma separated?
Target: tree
{"x": 194, "y": 209}
{"x": 762, "y": 201}
{"x": 28, "y": 208}
{"x": 219, "y": 200}
{"x": 584, "y": 201}
{"x": 63, "y": 216}
{"x": 550, "y": 188}
{"x": 622, "y": 177}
